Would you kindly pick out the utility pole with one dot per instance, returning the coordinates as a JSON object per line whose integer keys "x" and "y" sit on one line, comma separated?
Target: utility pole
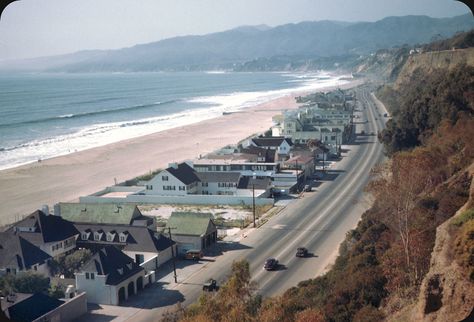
{"x": 254, "y": 177}
{"x": 253, "y": 202}
{"x": 174, "y": 258}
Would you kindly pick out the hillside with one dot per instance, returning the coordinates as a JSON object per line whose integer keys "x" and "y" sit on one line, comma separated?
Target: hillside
{"x": 258, "y": 48}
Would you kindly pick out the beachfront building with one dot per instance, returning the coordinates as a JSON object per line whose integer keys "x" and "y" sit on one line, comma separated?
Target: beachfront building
{"x": 110, "y": 277}
{"x": 246, "y": 164}
{"x": 52, "y": 234}
{"x": 103, "y": 213}
{"x": 330, "y": 126}
{"x": 303, "y": 164}
{"x": 147, "y": 248}
{"x": 176, "y": 180}
{"x": 282, "y": 145}
{"x": 192, "y": 231}
{"x": 19, "y": 255}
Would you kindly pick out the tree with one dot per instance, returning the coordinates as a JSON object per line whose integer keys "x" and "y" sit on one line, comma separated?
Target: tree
{"x": 68, "y": 264}
{"x": 27, "y": 282}
{"x": 235, "y": 300}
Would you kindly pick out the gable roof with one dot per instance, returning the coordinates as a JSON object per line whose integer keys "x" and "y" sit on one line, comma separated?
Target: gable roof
{"x": 184, "y": 173}
{"x": 107, "y": 213}
{"x": 114, "y": 263}
{"x": 257, "y": 183}
{"x": 273, "y": 141}
{"x": 268, "y": 154}
{"x": 139, "y": 238}
{"x": 17, "y": 252}
{"x": 190, "y": 223}
{"x": 46, "y": 228}
{"x": 218, "y": 176}
{"x": 33, "y": 307}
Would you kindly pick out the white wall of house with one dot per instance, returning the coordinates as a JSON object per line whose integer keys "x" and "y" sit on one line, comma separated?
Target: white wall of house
{"x": 165, "y": 184}
{"x": 100, "y": 293}
{"x": 146, "y": 255}
{"x": 284, "y": 148}
{"x": 96, "y": 289}
{"x": 217, "y": 188}
{"x": 60, "y": 247}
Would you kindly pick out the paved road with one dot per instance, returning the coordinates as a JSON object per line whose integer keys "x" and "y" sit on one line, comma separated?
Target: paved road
{"x": 319, "y": 221}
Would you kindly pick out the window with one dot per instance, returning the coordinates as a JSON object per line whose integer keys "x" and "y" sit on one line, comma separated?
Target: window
{"x": 97, "y": 236}
{"x": 182, "y": 188}
{"x": 110, "y": 237}
{"x": 164, "y": 178}
{"x": 149, "y": 187}
{"x": 123, "y": 238}
{"x": 87, "y": 276}
{"x": 84, "y": 236}
{"x": 92, "y": 276}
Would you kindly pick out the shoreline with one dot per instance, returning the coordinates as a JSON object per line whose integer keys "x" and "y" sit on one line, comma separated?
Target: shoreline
{"x": 65, "y": 178}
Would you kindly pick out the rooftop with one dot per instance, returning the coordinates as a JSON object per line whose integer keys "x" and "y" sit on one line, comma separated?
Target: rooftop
{"x": 219, "y": 176}
{"x": 183, "y": 172}
{"x": 114, "y": 263}
{"x": 190, "y": 223}
{"x": 33, "y": 307}
{"x": 99, "y": 213}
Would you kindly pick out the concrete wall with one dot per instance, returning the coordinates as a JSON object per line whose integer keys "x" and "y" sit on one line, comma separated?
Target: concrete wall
{"x": 69, "y": 311}
{"x": 186, "y": 200}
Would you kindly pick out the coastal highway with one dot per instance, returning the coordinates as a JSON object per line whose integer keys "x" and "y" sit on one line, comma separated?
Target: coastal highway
{"x": 319, "y": 221}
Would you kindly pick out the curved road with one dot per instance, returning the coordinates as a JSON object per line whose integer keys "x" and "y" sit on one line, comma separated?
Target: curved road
{"x": 318, "y": 221}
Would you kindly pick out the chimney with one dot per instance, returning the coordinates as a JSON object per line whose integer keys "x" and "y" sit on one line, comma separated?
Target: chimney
{"x": 173, "y": 165}
{"x": 45, "y": 209}
{"x": 57, "y": 210}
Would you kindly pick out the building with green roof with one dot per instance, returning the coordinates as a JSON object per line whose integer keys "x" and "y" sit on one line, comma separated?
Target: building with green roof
{"x": 102, "y": 213}
{"x": 192, "y": 230}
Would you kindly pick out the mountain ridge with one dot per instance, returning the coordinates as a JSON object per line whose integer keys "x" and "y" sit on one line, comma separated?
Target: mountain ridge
{"x": 234, "y": 47}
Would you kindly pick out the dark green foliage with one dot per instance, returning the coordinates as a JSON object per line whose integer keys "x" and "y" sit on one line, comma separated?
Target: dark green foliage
{"x": 419, "y": 106}
{"x": 68, "y": 264}
{"x": 24, "y": 283}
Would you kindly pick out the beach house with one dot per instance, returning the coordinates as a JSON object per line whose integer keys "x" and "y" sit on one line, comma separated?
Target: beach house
{"x": 110, "y": 277}
{"x": 147, "y": 248}
{"x": 176, "y": 180}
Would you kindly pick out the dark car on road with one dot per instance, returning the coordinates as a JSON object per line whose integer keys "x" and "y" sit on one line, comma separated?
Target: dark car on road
{"x": 270, "y": 264}
{"x": 210, "y": 286}
{"x": 301, "y": 252}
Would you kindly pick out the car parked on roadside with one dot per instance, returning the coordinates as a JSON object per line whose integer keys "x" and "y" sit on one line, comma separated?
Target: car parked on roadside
{"x": 194, "y": 254}
{"x": 301, "y": 252}
{"x": 270, "y": 264}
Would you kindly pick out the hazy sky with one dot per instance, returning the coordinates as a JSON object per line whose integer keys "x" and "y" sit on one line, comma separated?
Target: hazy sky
{"x": 32, "y": 28}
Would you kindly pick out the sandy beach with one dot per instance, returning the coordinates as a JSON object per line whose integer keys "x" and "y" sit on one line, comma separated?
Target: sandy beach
{"x": 26, "y": 188}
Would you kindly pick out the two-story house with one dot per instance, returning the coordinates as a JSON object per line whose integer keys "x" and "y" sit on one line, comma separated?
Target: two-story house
{"x": 110, "y": 277}
{"x": 176, "y": 180}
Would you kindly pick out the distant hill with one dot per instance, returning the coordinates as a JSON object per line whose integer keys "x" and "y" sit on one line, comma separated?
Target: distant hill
{"x": 247, "y": 47}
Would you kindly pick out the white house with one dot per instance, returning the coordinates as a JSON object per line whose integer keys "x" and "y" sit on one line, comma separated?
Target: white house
{"x": 177, "y": 180}
{"x": 281, "y": 144}
{"x": 110, "y": 277}
{"x": 218, "y": 183}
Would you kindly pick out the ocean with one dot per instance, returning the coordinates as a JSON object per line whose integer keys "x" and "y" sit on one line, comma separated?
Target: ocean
{"x": 48, "y": 115}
